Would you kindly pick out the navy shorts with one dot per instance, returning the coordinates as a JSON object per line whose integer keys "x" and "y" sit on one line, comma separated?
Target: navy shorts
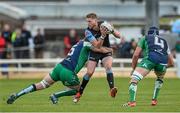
{"x": 95, "y": 56}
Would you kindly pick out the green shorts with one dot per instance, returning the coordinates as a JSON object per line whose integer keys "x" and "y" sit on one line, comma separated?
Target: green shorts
{"x": 147, "y": 64}
{"x": 67, "y": 77}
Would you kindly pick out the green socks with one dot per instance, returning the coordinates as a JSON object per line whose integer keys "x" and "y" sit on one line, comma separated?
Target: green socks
{"x": 68, "y": 92}
{"x": 132, "y": 91}
{"x": 157, "y": 87}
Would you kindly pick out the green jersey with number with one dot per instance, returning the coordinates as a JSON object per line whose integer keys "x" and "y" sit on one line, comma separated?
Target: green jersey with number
{"x": 77, "y": 56}
{"x": 154, "y": 48}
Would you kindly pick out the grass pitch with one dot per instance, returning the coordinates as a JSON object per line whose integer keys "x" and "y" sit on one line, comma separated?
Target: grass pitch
{"x": 95, "y": 98}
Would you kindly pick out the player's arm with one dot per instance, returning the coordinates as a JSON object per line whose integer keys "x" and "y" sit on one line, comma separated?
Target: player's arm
{"x": 170, "y": 59}
{"x": 116, "y": 33}
{"x": 89, "y": 46}
{"x": 136, "y": 56}
{"x": 102, "y": 50}
{"x": 96, "y": 43}
{"x": 137, "y": 52}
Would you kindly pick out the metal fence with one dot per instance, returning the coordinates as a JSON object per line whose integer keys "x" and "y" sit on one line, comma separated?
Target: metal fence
{"x": 45, "y": 65}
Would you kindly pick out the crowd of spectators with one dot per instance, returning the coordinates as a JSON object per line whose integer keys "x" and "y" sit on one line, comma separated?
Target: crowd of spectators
{"x": 15, "y": 44}
{"x": 126, "y": 48}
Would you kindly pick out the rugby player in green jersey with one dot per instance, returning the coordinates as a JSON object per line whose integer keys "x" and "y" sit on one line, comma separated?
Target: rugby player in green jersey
{"x": 157, "y": 57}
{"x": 66, "y": 71}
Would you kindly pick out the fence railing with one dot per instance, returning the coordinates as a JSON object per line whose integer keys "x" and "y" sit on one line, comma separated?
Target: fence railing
{"x": 17, "y": 65}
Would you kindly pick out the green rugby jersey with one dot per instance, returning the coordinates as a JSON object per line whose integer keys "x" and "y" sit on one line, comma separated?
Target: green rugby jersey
{"x": 154, "y": 48}
{"x": 77, "y": 56}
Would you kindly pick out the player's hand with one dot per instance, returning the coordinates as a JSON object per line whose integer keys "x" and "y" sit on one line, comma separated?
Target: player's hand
{"x": 104, "y": 31}
{"x": 111, "y": 29}
{"x": 108, "y": 26}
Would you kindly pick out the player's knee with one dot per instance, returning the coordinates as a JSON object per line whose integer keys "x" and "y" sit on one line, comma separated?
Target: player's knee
{"x": 108, "y": 66}
{"x": 44, "y": 84}
{"x": 160, "y": 75}
{"x": 109, "y": 70}
{"x": 76, "y": 88}
{"x": 136, "y": 76}
{"x": 89, "y": 73}
{"x": 75, "y": 91}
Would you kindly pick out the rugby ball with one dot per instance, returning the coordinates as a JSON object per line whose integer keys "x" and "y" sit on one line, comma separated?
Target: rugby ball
{"x": 108, "y": 26}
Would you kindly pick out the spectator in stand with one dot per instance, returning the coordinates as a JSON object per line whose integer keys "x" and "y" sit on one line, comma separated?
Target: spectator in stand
{"x": 124, "y": 49}
{"x": 39, "y": 41}
{"x": 133, "y": 46}
{"x": 6, "y": 33}
{"x": 2, "y": 46}
{"x": 6, "y": 55}
{"x": 17, "y": 44}
{"x": 69, "y": 40}
{"x": 2, "y": 53}
{"x": 26, "y": 35}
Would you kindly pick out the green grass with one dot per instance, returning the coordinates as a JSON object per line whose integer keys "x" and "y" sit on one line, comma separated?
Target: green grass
{"x": 95, "y": 99}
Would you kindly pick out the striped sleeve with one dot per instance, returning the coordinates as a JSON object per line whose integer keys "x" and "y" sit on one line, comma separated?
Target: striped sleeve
{"x": 89, "y": 36}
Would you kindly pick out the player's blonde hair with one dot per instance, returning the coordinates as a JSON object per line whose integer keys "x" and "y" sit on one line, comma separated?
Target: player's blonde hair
{"x": 92, "y": 15}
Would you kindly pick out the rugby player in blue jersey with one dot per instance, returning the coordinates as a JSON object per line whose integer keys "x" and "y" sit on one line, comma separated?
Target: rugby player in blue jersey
{"x": 92, "y": 33}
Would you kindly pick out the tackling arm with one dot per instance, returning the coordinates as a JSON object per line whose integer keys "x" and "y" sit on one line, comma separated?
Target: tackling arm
{"x": 116, "y": 33}
{"x": 97, "y": 43}
{"x": 102, "y": 50}
{"x": 170, "y": 59}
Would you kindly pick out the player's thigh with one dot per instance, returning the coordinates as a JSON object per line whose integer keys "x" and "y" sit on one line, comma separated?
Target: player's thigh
{"x": 107, "y": 61}
{"x": 91, "y": 65}
{"x": 71, "y": 80}
{"x": 144, "y": 67}
{"x": 160, "y": 71}
{"x": 94, "y": 56}
{"x": 142, "y": 71}
{"x": 68, "y": 77}
{"x": 138, "y": 74}
{"x": 54, "y": 74}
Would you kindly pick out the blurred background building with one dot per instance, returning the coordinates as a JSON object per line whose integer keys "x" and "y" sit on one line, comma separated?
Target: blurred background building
{"x": 51, "y": 21}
